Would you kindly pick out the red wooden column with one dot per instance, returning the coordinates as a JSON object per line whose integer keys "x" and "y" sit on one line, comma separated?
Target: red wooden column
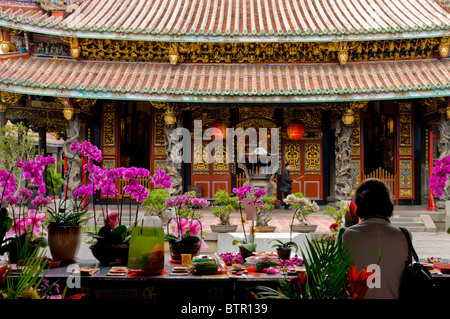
{"x": 431, "y": 205}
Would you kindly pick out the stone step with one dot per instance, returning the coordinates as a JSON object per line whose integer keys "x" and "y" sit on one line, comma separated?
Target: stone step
{"x": 422, "y": 223}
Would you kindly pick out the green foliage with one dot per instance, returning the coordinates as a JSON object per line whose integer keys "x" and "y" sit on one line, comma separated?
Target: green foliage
{"x": 248, "y": 243}
{"x": 224, "y": 205}
{"x": 263, "y": 215}
{"x": 326, "y": 264}
{"x": 106, "y": 236}
{"x": 63, "y": 217}
{"x": 155, "y": 203}
{"x": 16, "y": 142}
{"x": 32, "y": 275}
{"x": 54, "y": 180}
{"x": 285, "y": 245}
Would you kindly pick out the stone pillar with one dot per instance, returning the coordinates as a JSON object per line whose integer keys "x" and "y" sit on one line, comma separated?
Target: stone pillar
{"x": 173, "y": 153}
{"x": 74, "y": 169}
{"x": 343, "y": 163}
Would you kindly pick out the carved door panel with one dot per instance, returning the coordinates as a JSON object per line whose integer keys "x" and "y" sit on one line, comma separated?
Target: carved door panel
{"x": 305, "y": 157}
{"x": 212, "y": 176}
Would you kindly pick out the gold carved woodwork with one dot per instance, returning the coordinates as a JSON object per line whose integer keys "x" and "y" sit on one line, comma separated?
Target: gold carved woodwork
{"x": 200, "y": 156}
{"x": 444, "y": 47}
{"x": 356, "y": 136}
{"x": 160, "y": 134}
{"x": 10, "y": 97}
{"x": 312, "y": 157}
{"x": 311, "y": 117}
{"x": 292, "y": 52}
{"x": 75, "y": 48}
{"x": 109, "y": 151}
{"x": 220, "y": 158}
{"x": 292, "y": 155}
{"x": 248, "y": 112}
{"x": 109, "y": 128}
{"x": 405, "y": 124}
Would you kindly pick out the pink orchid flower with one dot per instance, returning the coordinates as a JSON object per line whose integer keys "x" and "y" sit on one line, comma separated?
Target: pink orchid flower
{"x": 111, "y": 219}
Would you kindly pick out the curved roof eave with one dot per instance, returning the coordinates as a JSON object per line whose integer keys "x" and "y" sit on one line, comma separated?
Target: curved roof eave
{"x": 238, "y": 20}
{"x": 311, "y": 37}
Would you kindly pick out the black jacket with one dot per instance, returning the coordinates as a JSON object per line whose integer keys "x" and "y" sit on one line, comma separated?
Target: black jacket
{"x": 286, "y": 181}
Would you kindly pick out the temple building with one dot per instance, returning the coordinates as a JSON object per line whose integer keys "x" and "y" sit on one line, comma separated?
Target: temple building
{"x": 355, "y": 88}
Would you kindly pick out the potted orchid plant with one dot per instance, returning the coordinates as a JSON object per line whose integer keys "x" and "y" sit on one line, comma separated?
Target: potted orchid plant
{"x": 303, "y": 207}
{"x": 24, "y": 232}
{"x": 111, "y": 241}
{"x": 187, "y": 231}
{"x": 249, "y": 199}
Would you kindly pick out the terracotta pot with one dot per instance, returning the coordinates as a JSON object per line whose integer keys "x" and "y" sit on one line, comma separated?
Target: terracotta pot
{"x": 224, "y": 228}
{"x": 304, "y": 228}
{"x": 284, "y": 253}
{"x": 179, "y": 248}
{"x": 265, "y": 229}
{"x": 111, "y": 253}
{"x": 64, "y": 242}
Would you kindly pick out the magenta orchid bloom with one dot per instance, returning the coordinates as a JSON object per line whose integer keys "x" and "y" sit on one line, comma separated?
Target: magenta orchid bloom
{"x": 31, "y": 224}
{"x": 190, "y": 227}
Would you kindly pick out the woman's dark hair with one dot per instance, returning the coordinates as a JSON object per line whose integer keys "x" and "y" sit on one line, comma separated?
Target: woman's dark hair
{"x": 373, "y": 199}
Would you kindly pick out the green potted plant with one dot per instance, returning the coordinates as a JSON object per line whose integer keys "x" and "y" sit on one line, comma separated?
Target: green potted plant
{"x": 155, "y": 204}
{"x": 303, "y": 207}
{"x": 264, "y": 214}
{"x": 224, "y": 205}
{"x": 284, "y": 249}
{"x": 65, "y": 228}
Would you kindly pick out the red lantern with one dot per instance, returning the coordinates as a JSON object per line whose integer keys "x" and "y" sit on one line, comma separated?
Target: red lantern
{"x": 222, "y": 126}
{"x": 295, "y": 130}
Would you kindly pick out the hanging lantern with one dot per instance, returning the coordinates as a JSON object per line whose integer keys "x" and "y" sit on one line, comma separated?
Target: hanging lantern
{"x": 295, "y": 130}
{"x": 222, "y": 126}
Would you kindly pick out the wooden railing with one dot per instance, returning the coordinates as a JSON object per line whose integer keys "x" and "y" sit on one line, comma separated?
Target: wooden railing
{"x": 388, "y": 178}
{"x": 143, "y": 181}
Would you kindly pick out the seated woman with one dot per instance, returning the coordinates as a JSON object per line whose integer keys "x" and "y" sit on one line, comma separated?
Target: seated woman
{"x": 375, "y": 237}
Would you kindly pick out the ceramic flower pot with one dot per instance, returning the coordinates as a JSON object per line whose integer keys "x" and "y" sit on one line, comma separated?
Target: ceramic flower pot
{"x": 265, "y": 229}
{"x": 178, "y": 248}
{"x": 304, "y": 228}
{"x": 64, "y": 242}
{"x": 284, "y": 253}
{"x": 224, "y": 228}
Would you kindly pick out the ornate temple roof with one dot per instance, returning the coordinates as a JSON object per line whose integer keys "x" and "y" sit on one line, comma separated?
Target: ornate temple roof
{"x": 237, "y": 20}
{"x": 227, "y": 82}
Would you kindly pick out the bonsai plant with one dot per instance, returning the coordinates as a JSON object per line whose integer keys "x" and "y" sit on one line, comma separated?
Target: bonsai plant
{"x": 187, "y": 232}
{"x": 224, "y": 205}
{"x": 303, "y": 207}
{"x": 155, "y": 203}
{"x": 263, "y": 214}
